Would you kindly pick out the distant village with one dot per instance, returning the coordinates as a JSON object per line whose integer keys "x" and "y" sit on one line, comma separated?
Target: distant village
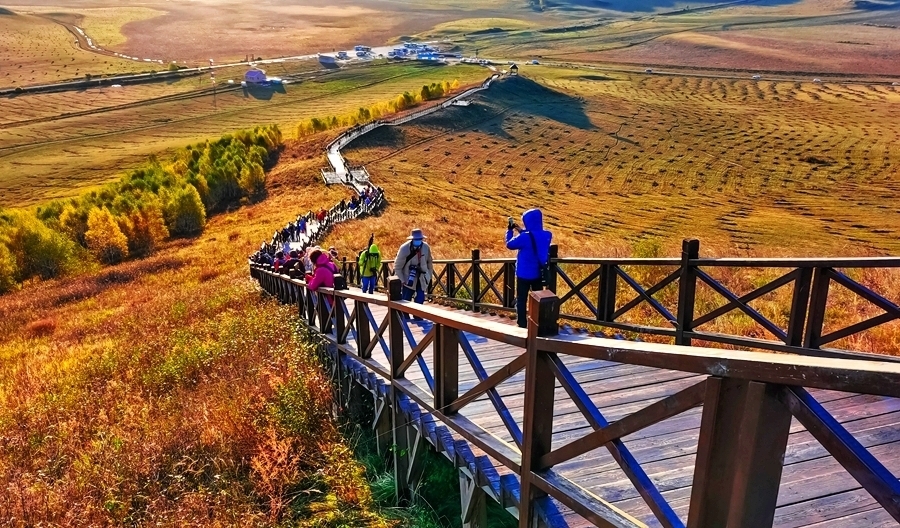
{"x": 406, "y": 51}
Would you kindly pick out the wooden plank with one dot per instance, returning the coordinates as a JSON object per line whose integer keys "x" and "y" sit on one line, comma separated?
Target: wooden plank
{"x": 865, "y": 468}
{"x": 882, "y": 378}
{"x": 589, "y": 506}
{"x": 656, "y": 412}
{"x": 663, "y": 450}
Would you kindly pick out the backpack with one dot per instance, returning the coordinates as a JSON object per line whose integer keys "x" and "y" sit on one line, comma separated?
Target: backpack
{"x": 340, "y": 282}
{"x": 543, "y": 267}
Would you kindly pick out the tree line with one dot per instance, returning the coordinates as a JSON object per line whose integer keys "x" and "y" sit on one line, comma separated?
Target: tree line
{"x": 134, "y": 215}
{"x": 364, "y": 114}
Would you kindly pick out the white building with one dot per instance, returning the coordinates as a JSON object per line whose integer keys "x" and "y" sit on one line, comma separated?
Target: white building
{"x": 255, "y": 75}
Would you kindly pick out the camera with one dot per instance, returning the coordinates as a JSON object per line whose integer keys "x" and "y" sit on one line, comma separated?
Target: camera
{"x": 413, "y": 275}
{"x": 510, "y": 223}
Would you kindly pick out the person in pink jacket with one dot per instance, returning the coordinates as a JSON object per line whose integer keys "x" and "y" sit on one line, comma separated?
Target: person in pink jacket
{"x": 323, "y": 276}
{"x": 324, "y": 271}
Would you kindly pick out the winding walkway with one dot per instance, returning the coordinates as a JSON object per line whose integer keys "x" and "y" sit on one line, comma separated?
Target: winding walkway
{"x": 339, "y": 168}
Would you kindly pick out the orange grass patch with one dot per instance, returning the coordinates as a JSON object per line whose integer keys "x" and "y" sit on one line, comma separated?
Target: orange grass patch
{"x": 168, "y": 391}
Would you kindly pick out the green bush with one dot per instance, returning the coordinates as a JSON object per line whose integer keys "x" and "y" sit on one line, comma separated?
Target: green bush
{"x": 136, "y": 214}
{"x": 184, "y": 212}
{"x": 38, "y": 250}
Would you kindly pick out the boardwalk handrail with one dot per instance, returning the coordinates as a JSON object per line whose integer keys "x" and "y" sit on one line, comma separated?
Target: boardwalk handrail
{"x": 748, "y": 400}
{"x": 601, "y": 292}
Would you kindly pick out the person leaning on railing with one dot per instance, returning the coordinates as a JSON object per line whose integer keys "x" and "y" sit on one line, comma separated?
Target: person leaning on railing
{"x": 532, "y": 260}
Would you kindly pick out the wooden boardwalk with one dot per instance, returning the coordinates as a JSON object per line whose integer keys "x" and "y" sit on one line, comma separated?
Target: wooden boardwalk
{"x": 566, "y": 429}
{"x": 815, "y": 489}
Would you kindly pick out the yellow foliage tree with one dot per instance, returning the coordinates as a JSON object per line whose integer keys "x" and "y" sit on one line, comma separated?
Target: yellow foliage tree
{"x": 8, "y": 269}
{"x": 144, "y": 227}
{"x": 104, "y": 237}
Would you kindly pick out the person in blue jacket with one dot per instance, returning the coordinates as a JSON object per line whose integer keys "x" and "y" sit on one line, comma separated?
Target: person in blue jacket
{"x": 533, "y": 245}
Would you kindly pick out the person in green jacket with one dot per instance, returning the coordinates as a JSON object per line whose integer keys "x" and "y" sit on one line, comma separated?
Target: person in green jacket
{"x": 369, "y": 266}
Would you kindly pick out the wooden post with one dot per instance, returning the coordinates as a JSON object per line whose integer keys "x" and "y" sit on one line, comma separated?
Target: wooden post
{"x": 446, "y": 366}
{"x": 324, "y": 317}
{"x": 543, "y": 312}
{"x": 606, "y": 301}
{"x": 799, "y": 307}
{"x": 310, "y": 307}
{"x": 472, "y": 502}
{"x": 397, "y": 348}
{"x": 687, "y": 291}
{"x": 509, "y": 284}
{"x": 743, "y": 437}
{"x": 553, "y": 279}
{"x": 340, "y": 320}
{"x": 451, "y": 280}
{"x": 476, "y": 278}
{"x": 363, "y": 331}
{"x": 817, "y": 305}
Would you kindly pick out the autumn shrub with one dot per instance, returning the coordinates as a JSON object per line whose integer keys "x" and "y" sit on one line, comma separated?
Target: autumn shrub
{"x": 184, "y": 212}
{"x": 145, "y": 227}
{"x": 8, "y": 270}
{"x": 401, "y": 102}
{"x": 36, "y": 249}
{"x": 134, "y": 216}
{"x": 104, "y": 238}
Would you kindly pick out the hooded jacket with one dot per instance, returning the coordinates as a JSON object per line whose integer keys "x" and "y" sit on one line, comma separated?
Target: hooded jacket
{"x": 528, "y": 264}
{"x": 370, "y": 262}
{"x": 324, "y": 274}
{"x": 421, "y": 257}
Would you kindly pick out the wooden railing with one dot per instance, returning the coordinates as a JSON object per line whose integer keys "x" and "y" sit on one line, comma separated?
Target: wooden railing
{"x": 606, "y": 292}
{"x": 748, "y": 398}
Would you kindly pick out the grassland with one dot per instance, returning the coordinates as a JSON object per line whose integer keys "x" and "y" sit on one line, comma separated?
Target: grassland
{"x": 807, "y": 37}
{"x": 631, "y": 164}
{"x": 36, "y": 50}
{"x": 166, "y": 391}
{"x": 745, "y": 165}
{"x": 43, "y": 158}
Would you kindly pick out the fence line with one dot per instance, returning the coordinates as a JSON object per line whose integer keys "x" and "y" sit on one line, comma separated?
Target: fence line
{"x": 603, "y": 292}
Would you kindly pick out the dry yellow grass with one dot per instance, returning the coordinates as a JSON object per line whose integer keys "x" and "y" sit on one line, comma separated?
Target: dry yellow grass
{"x": 624, "y": 165}
{"x": 36, "y": 50}
{"x": 46, "y": 159}
{"x": 167, "y": 391}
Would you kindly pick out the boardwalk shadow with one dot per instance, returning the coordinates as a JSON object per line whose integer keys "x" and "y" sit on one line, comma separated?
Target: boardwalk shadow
{"x": 513, "y": 95}
{"x": 389, "y": 137}
{"x": 528, "y": 97}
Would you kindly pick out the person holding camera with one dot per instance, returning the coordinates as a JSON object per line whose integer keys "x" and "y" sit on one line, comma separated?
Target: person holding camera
{"x": 369, "y": 266}
{"x": 414, "y": 266}
{"x": 532, "y": 260}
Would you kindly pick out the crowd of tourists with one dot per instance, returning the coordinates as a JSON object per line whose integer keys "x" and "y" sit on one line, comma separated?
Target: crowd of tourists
{"x": 413, "y": 265}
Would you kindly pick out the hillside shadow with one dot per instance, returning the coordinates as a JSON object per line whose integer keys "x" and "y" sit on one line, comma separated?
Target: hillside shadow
{"x": 382, "y": 137}
{"x": 6, "y": 12}
{"x": 525, "y": 96}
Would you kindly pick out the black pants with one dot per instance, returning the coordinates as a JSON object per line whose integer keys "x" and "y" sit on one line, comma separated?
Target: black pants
{"x": 523, "y": 286}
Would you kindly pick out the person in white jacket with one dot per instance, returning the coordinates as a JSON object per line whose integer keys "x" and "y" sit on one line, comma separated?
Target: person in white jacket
{"x": 414, "y": 266}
